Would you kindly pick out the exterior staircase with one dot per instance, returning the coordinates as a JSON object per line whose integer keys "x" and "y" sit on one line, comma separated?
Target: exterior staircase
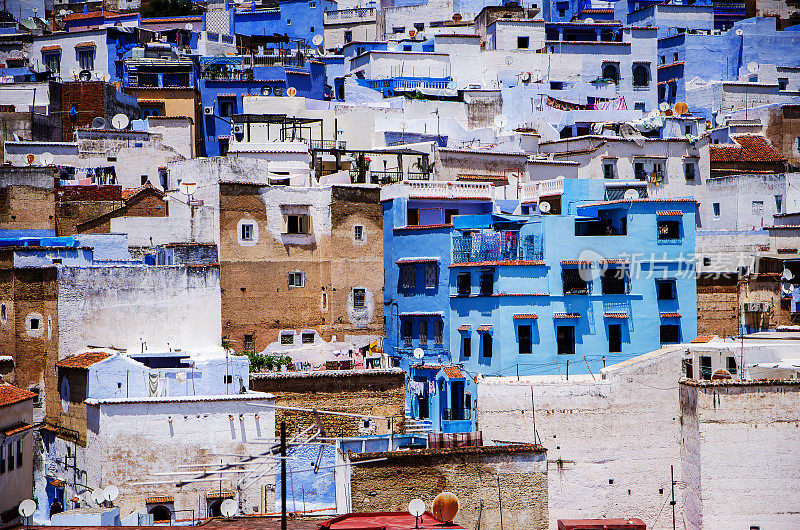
{"x": 415, "y": 426}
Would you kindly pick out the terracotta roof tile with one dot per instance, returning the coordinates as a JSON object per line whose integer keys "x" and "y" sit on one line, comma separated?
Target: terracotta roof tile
{"x": 670, "y": 315}
{"x": 615, "y": 315}
{"x": 613, "y": 262}
{"x": 52, "y": 48}
{"x": 87, "y": 44}
{"x": 452, "y": 372}
{"x": 416, "y": 454}
{"x": 220, "y": 495}
{"x": 526, "y": 316}
{"x": 575, "y": 262}
{"x": 750, "y": 148}
{"x": 159, "y": 500}
{"x": 407, "y": 261}
{"x": 484, "y": 327}
{"x": 83, "y": 360}
{"x": 566, "y": 315}
{"x": 17, "y": 428}
{"x": 669, "y": 212}
{"x": 56, "y": 483}
{"x": 10, "y": 394}
{"x": 704, "y": 338}
{"x": 465, "y": 327}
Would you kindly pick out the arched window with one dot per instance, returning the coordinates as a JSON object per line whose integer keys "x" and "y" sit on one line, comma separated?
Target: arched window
{"x": 641, "y": 77}
{"x": 610, "y": 71}
{"x": 160, "y": 513}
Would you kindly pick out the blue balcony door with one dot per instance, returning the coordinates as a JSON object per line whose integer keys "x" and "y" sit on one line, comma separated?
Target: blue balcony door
{"x": 457, "y": 400}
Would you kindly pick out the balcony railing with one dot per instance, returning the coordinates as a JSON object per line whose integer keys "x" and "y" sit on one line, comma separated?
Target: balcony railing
{"x": 327, "y": 144}
{"x": 531, "y": 191}
{"x": 440, "y": 189}
{"x": 349, "y": 14}
{"x": 456, "y": 414}
{"x": 176, "y": 80}
{"x": 415, "y": 175}
{"x": 376, "y": 177}
{"x": 503, "y": 245}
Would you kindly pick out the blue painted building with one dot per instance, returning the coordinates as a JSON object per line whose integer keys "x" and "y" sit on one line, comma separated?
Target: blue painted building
{"x": 594, "y": 283}
{"x": 299, "y": 20}
{"x": 224, "y": 81}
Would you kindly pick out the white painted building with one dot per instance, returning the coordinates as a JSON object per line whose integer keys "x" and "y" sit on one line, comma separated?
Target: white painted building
{"x": 16, "y": 447}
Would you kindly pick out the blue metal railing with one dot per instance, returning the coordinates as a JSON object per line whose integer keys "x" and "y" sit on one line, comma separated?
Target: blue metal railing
{"x": 497, "y": 246}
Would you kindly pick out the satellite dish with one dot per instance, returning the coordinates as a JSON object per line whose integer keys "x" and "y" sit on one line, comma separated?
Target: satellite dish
{"x": 663, "y": 106}
{"x": 228, "y": 508}
{"x": 30, "y": 158}
{"x": 419, "y": 353}
{"x": 278, "y": 91}
{"x": 681, "y": 108}
{"x": 27, "y": 507}
{"x": 110, "y": 493}
{"x": 85, "y": 75}
{"x": 787, "y": 275}
{"x": 98, "y": 496}
{"x": 46, "y": 159}
{"x": 412, "y": 32}
{"x": 291, "y": 92}
{"x": 631, "y": 194}
{"x": 98, "y": 123}
{"x": 720, "y": 120}
{"x": 317, "y": 40}
{"x": 456, "y": 17}
{"x": 187, "y": 188}
{"x": 188, "y": 26}
{"x": 739, "y": 32}
{"x": 752, "y": 67}
{"x": 544, "y": 207}
{"x": 266, "y": 90}
{"x": 500, "y": 121}
{"x": 106, "y": 77}
{"x": 509, "y": 60}
{"x": 74, "y": 73}
{"x": 445, "y": 507}
{"x": 416, "y": 507}
{"x": 589, "y": 21}
{"x": 120, "y": 121}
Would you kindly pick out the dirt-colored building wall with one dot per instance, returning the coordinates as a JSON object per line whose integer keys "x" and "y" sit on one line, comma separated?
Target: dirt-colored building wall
{"x": 74, "y": 213}
{"x": 371, "y": 393}
{"x": 452, "y": 163}
{"x": 72, "y": 421}
{"x": 717, "y": 305}
{"x": 485, "y": 479}
{"x": 176, "y": 102}
{"x": 783, "y": 131}
{"x": 146, "y": 204}
{"x": 27, "y": 208}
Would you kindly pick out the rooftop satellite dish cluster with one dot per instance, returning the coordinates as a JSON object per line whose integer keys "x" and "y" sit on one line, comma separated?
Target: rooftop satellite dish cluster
{"x": 445, "y": 508}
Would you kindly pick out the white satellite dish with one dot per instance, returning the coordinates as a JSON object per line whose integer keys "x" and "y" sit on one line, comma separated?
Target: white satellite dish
{"x": 589, "y": 21}
{"x": 46, "y": 159}
{"x": 98, "y": 496}
{"x": 739, "y": 32}
{"x": 720, "y": 120}
{"x": 120, "y": 121}
{"x": 27, "y": 507}
{"x": 30, "y": 158}
{"x": 787, "y": 275}
{"x": 228, "y": 508}
{"x": 187, "y": 188}
{"x": 500, "y": 121}
{"x": 106, "y": 77}
{"x": 419, "y": 353}
{"x": 663, "y": 106}
{"x": 544, "y": 207}
{"x": 752, "y": 67}
{"x": 416, "y": 507}
{"x": 317, "y": 40}
{"x": 631, "y": 194}
{"x": 509, "y": 60}
{"x": 188, "y": 26}
{"x": 110, "y": 493}
{"x": 99, "y": 123}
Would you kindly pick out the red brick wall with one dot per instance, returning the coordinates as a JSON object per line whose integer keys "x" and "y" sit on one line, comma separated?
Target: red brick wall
{"x": 89, "y": 100}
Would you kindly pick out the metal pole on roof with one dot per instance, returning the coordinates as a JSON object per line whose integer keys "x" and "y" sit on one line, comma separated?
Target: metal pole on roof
{"x": 283, "y": 476}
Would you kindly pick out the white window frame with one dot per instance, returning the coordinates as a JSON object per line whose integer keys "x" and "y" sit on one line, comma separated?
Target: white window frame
{"x": 304, "y": 224}
{"x": 246, "y": 231}
{"x": 253, "y": 234}
{"x": 358, "y": 233}
{"x": 296, "y": 279}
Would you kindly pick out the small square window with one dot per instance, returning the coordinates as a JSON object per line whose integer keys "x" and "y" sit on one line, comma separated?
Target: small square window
{"x": 689, "y": 171}
{"x": 308, "y": 338}
{"x": 670, "y": 333}
{"x": 523, "y": 43}
{"x": 487, "y": 344}
{"x": 228, "y": 379}
{"x": 297, "y": 279}
{"x": 608, "y": 170}
{"x": 407, "y": 278}
{"x": 715, "y": 208}
{"x": 359, "y": 297}
{"x": 312, "y": 5}
{"x": 287, "y": 339}
{"x": 311, "y": 29}
{"x": 669, "y": 230}
{"x": 466, "y": 348}
{"x": 249, "y": 342}
{"x": 666, "y": 290}
{"x": 639, "y": 105}
{"x": 288, "y": 21}
{"x": 358, "y": 233}
{"x": 297, "y": 224}
{"x": 34, "y": 323}
{"x": 431, "y": 280}
{"x": 463, "y": 283}
{"x": 247, "y": 232}
{"x": 675, "y": 57}
{"x": 663, "y": 59}
{"x": 783, "y": 83}
{"x": 706, "y": 262}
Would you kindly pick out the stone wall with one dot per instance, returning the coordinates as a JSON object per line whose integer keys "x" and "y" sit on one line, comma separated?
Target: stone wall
{"x": 717, "y": 305}
{"x": 485, "y": 479}
{"x": 374, "y": 393}
{"x": 27, "y": 208}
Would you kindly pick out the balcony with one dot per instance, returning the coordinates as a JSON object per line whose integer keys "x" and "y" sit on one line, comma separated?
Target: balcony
{"x": 415, "y": 175}
{"x": 532, "y": 191}
{"x": 456, "y": 414}
{"x": 439, "y": 189}
{"x": 343, "y": 16}
{"x": 328, "y": 145}
{"x": 504, "y": 245}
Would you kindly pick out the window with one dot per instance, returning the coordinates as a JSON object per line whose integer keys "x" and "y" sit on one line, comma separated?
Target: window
{"x": 10, "y": 456}
{"x": 288, "y": 21}
{"x": 615, "y": 280}
{"x": 641, "y": 76}
{"x": 466, "y": 347}
{"x": 311, "y": 29}
{"x": 662, "y": 59}
{"x": 359, "y": 297}
{"x": 3, "y": 313}
{"x": 297, "y": 224}
{"x": 662, "y": 92}
{"x": 423, "y": 332}
{"x": 247, "y": 232}
{"x": 398, "y": 29}
{"x": 523, "y": 43}
{"x": 658, "y": 169}
{"x": 406, "y": 47}
{"x": 86, "y": 59}
{"x": 249, "y": 342}
{"x": 2, "y": 459}
{"x": 730, "y": 365}
{"x": 34, "y": 324}
{"x": 430, "y": 276}
{"x": 638, "y": 171}
{"x": 639, "y": 105}
{"x": 706, "y": 262}
{"x": 524, "y": 333}
{"x": 487, "y": 344}
{"x": 778, "y": 203}
{"x": 487, "y": 281}
{"x": 160, "y": 514}
{"x": 413, "y": 217}
{"x": 287, "y": 339}
{"x": 464, "y": 283}
{"x": 610, "y": 71}
{"x": 673, "y": 90}
{"x": 666, "y": 290}
{"x": 53, "y": 63}
{"x": 19, "y": 453}
{"x": 348, "y": 36}
{"x": 689, "y": 171}
{"x": 614, "y": 338}
{"x": 574, "y": 282}
{"x": 406, "y": 332}
{"x": 449, "y": 213}
{"x": 783, "y": 83}
{"x": 670, "y": 333}
{"x": 227, "y": 107}
{"x": 687, "y": 129}
{"x": 307, "y": 338}
{"x": 608, "y": 170}
{"x": 407, "y": 275}
{"x": 565, "y": 340}
{"x": 715, "y": 208}
{"x": 312, "y": 5}
{"x": 705, "y": 367}
{"x": 438, "y": 332}
{"x": 675, "y": 57}
{"x": 669, "y": 230}
{"x": 297, "y": 279}
{"x": 358, "y": 233}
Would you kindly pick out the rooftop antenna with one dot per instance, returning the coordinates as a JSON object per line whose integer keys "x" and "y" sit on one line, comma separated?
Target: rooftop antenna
{"x": 416, "y": 508}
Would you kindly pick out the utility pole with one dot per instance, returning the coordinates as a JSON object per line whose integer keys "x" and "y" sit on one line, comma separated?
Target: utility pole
{"x": 672, "y": 486}
{"x": 283, "y": 476}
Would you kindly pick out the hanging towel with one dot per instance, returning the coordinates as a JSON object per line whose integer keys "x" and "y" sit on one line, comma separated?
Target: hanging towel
{"x": 153, "y": 384}
{"x": 432, "y": 388}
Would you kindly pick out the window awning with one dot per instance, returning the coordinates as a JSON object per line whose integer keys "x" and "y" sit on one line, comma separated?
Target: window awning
{"x": 526, "y": 316}
{"x": 465, "y": 327}
{"x": 670, "y": 315}
{"x": 566, "y": 315}
{"x": 405, "y": 261}
{"x": 615, "y": 315}
{"x": 159, "y": 500}
{"x": 484, "y": 327}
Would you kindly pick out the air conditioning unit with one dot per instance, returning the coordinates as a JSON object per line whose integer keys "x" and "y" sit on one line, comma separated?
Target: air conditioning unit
{"x": 208, "y": 111}
{"x": 238, "y": 128}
